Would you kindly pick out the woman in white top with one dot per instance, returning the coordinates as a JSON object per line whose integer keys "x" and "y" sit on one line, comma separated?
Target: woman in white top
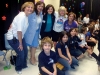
{"x": 15, "y": 35}
{"x": 60, "y": 18}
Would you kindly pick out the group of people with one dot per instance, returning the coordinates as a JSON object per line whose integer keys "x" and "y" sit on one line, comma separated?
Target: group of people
{"x": 58, "y": 30}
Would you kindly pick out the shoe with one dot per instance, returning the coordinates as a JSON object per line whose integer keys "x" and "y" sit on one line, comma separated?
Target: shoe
{"x": 99, "y": 68}
{"x": 98, "y": 62}
{"x": 77, "y": 64}
{"x": 25, "y": 67}
{"x": 32, "y": 63}
{"x": 72, "y": 67}
{"x": 19, "y": 72}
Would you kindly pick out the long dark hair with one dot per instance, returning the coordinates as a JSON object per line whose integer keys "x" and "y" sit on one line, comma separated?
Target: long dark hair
{"x": 39, "y": 3}
{"x": 61, "y": 36}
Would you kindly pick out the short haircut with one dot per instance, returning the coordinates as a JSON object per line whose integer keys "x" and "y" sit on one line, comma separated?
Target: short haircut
{"x": 46, "y": 40}
{"x": 62, "y": 8}
{"x": 71, "y": 13}
{"x": 47, "y": 7}
{"x": 26, "y": 4}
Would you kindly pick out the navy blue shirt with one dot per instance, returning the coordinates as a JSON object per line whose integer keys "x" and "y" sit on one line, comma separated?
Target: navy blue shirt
{"x": 63, "y": 48}
{"x": 47, "y": 61}
{"x": 73, "y": 42}
{"x": 88, "y": 34}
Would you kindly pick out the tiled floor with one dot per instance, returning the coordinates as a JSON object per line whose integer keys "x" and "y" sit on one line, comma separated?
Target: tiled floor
{"x": 87, "y": 66}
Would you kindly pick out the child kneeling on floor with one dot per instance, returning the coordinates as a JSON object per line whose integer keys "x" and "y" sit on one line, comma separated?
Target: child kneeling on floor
{"x": 47, "y": 59}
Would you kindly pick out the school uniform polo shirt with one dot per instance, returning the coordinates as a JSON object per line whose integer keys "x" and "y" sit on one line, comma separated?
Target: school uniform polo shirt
{"x": 63, "y": 48}
{"x": 47, "y": 61}
{"x": 73, "y": 42}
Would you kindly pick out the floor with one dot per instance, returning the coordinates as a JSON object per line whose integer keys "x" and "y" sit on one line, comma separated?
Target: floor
{"x": 87, "y": 66}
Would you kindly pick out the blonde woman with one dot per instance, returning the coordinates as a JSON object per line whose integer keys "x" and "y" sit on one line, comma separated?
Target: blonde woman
{"x": 15, "y": 35}
{"x": 60, "y": 18}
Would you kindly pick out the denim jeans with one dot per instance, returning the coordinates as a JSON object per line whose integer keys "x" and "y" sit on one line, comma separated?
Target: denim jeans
{"x": 65, "y": 63}
{"x": 59, "y": 72}
{"x": 21, "y": 60}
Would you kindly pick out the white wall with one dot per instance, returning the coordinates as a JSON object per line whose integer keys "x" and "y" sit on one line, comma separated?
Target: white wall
{"x": 55, "y": 3}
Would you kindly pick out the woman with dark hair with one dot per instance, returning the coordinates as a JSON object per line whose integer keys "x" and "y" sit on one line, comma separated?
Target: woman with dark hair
{"x": 48, "y": 22}
{"x": 33, "y": 31}
{"x": 70, "y": 23}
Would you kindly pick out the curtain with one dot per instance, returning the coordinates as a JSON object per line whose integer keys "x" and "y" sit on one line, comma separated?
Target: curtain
{"x": 75, "y": 6}
{"x": 9, "y": 12}
{"x": 95, "y": 9}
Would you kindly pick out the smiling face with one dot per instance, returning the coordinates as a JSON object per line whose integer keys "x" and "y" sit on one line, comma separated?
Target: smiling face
{"x": 28, "y": 10}
{"x": 71, "y": 17}
{"x": 73, "y": 32}
{"x": 39, "y": 8}
{"x": 62, "y": 12}
{"x": 64, "y": 38}
{"x": 27, "y": 7}
{"x": 47, "y": 47}
{"x": 50, "y": 10}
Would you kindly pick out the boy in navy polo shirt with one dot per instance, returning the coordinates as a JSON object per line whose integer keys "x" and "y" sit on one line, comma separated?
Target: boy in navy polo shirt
{"x": 47, "y": 59}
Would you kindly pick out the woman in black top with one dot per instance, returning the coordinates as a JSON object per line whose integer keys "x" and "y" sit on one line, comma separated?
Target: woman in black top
{"x": 48, "y": 22}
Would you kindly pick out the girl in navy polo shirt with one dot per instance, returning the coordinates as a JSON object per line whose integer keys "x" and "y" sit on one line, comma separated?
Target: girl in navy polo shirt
{"x": 63, "y": 53}
{"x": 74, "y": 47}
{"x": 47, "y": 59}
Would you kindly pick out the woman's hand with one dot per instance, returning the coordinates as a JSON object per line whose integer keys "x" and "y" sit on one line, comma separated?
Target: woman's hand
{"x": 20, "y": 47}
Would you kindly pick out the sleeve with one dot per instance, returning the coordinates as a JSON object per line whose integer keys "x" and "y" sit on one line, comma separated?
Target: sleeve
{"x": 41, "y": 63}
{"x": 58, "y": 45}
{"x": 76, "y": 24}
{"x": 78, "y": 39}
{"x": 20, "y": 23}
{"x": 82, "y": 36}
{"x": 68, "y": 42}
{"x": 87, "y": 34}
{"x": 65, "y": 25}
{"x": 56, "y": 13}
{"x": 55, "y": 58}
